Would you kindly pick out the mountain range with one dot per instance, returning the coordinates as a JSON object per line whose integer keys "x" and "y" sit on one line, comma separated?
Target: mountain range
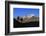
{"x": 27, "y": 19}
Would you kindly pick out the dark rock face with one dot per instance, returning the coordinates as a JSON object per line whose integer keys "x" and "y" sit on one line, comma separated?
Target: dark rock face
{"x": 30, "y": 24}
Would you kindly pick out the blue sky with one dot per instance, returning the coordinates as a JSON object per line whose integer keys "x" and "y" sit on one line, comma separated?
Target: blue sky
{"x": 25, "y": 11}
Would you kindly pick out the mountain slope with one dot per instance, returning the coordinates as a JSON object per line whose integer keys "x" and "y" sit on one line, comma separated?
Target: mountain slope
{"x": 28, "y": 19}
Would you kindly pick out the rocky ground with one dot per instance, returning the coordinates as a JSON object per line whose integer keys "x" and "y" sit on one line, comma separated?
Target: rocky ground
{"x": 18, "y": 24}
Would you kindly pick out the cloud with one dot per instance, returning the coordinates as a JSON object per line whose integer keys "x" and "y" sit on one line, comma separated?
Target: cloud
{"x": 32, "y": 15}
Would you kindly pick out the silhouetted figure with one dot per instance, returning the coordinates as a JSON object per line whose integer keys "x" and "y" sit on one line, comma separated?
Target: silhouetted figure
{"x": 21, "y": 19}
{"x": 18, "y": 18}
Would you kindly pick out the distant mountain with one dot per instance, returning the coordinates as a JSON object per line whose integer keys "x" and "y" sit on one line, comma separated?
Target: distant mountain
{"x": 27, "y": 19}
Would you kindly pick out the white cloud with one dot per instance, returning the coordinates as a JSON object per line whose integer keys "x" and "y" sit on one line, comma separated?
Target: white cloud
{"x": 30, "y": 15}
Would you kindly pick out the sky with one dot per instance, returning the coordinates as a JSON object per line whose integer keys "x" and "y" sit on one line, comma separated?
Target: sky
{"x": 25, "y": 11}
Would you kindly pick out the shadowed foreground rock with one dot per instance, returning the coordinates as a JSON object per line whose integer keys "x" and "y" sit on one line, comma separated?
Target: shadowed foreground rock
{"x": 29, "y": 24}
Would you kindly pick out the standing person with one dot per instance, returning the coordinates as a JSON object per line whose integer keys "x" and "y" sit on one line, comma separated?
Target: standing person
{"x": 18, "y": 18}
{"x": 21, "y": 20}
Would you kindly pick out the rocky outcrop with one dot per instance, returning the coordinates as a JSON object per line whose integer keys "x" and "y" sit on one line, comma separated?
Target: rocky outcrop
{"x": 27, "y": 19}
